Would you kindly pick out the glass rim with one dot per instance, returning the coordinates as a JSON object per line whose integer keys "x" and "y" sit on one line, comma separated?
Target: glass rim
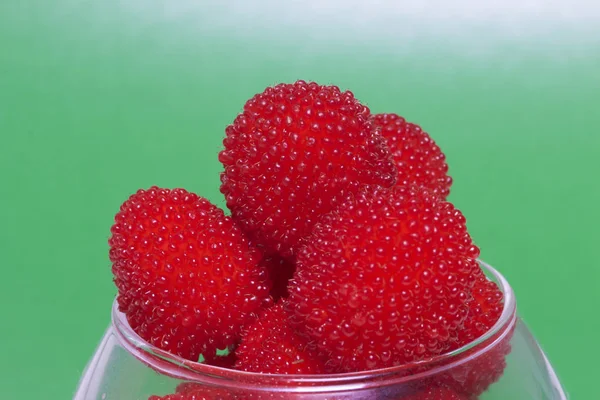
{"x": 177, "y": 367}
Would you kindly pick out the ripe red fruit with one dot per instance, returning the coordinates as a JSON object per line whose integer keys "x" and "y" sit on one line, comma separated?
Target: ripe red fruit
{"x": 478, "y": 373}
{"x": 270, "y": 345}
{"x": 384, "y": 279}
{"x": 485, "y": 307}
{"x": 184, "y": 396}
{"x": 418, "y": 158}
{"x": 199, "y": 395}
{"x": 292, "y": 154}
{"x": 187, "y": 278}
{"x": 195, "y": 391}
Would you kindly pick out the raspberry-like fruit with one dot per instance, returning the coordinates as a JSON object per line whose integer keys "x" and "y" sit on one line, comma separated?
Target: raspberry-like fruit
{"x": 195, "y": 391}
{"x": 418, "y": 158}
{"x": 187, "y": 278}
{"x": 184, "y": 396}
{"x": 384, "y": 279}
{"x": 485, "y": 307}
{"x": 199, "y": 395}
{"x": 269, "y": 345}
{"x": 476, "y": 375}
{"x": 292, "y": 154}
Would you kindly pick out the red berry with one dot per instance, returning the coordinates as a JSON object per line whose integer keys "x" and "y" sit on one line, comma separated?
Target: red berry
{"x": 477, "y": 374}
{"x": 418, "y": 158}
{"x": 187, "y": 387}
{"x": 270, "y": 345}
{"x": 195, "y": 391}
{"x": 188, "y": 396}
{"x": 292, "y": 154}
{"x": 280, "y": 272}
{"x": 199, "y": 395}
{"x": 384, "y": 279}
{"x": 187, "y": 278}
{"x": 485, "y": 307}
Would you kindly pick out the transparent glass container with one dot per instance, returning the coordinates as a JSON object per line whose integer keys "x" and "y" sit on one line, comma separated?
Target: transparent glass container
{"x": 125, "y": 367}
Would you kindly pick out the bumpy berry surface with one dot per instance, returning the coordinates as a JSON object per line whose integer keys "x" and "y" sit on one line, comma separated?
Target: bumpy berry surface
{"x": 195, "y": 391}
{"x": 291, "y": 155}
{"x": 280, "y": 272}
{"x": 384, "y": 279}
{"x": 269, "y": 345}
{"x": 485, "y": 307}
{"x": 476, "y": 375}
{"x": 187, "y": 278}
{"x": 187, "y": 396}
{"x": 479, "y": 373}
{"x": 199, "y": 395}
{"x": 418, "y": 158}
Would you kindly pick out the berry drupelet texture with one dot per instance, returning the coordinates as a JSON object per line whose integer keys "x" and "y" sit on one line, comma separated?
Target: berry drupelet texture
{"x": 270, "y": 345}
{"x": 292, "y": 154}
{"x": 195, "y": 391}
{"x": 187, "y": 278}
{"x": 481, "y": 371}
{"x": 418, "y": 158}
{"x": 485, "y": 307}
{"x": 384, "y": 279}
{"x": 198, "y": 395}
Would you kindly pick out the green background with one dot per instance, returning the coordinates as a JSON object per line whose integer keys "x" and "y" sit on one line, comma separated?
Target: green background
{"x": 98, "y": 99}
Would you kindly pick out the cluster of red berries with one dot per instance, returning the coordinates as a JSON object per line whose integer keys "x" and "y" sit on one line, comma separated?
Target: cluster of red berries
{"x": 341, "y": 253}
